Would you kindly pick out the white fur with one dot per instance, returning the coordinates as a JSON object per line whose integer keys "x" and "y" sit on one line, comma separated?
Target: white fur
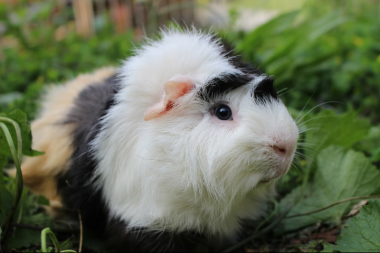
{"x": 187, "y": 170}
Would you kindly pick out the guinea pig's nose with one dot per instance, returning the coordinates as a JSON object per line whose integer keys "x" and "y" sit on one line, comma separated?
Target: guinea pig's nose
{"x": 280, "y": 150}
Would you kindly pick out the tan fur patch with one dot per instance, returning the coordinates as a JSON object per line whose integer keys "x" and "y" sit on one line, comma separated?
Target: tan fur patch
{"x": 40, "y": 173}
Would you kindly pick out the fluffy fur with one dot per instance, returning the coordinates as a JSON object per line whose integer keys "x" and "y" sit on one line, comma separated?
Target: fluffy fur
{"x": 40, "y": 173}
{"x": 185, "y": 170}
{"x": 182, "y": 171}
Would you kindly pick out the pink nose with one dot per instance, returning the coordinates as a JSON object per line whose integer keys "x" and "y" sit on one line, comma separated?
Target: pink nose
{"x": 280, "y": 150}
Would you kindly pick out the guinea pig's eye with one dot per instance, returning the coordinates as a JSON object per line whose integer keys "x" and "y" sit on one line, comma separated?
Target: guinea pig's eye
{"x": 223, "y": 112}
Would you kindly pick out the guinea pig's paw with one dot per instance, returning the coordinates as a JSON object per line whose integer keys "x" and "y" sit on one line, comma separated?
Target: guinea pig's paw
{"x": 173, "y": 90}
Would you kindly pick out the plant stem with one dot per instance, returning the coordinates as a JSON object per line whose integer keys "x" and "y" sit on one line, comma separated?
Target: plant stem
{"x": 333, "y": 204}
{"x": 81, "y": 231}
{"x": 18, "y": 179}
{"x": 54, "y": 239}
{"x": 18, "y": 133}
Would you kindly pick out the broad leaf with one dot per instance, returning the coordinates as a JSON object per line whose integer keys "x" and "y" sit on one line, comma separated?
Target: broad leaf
{"x": 370, "y": 144}
{"x": 26, "y": 237}
{"x": 28, "y": 212}
{"x": 362, "y": 233}
{"x": 23, "y": 237}
{"x": 340, "y": 174}
{"x": 329, "y": 129}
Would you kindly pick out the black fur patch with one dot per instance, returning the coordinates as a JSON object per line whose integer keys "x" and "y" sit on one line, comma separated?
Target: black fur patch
{"x": 221, "y": 85}
{"x": 264, "y": 90}
{"x": 90, "y": 105}
{"x": 79, "y": 194}
{"x": 142, "y": 240}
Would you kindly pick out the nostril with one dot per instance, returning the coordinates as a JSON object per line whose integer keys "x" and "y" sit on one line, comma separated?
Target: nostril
{"x": 281, "y": 151}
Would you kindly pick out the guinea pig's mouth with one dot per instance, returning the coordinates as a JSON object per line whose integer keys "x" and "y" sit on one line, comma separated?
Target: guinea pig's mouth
{"x": 276, "y": 172}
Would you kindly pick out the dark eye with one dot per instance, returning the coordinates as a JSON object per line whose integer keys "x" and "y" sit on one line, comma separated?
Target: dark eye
{"x": 223, "y": 112}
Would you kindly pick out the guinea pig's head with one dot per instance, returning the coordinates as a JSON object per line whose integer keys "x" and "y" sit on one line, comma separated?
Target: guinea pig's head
{"x": 229, "y": 132}
{"x": 206, "y": 119}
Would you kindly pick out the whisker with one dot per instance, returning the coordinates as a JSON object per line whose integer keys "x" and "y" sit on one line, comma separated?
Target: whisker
{"x": 301, "y": 154}
{"x": 308, "y": 148}
{"x": 286, "y": 92}
{"x": 306, "y": 144}
{"x": 298, "y": 167}
{"x": 304, "y": 106}
{"x": 279, "y": 92}
{"x": 314, "y": 119}
{"x": 308, "y": 129}
{"x": 297, "y": 164}
{"x": 305, "y": 157}
{"x": 316, "y": 107}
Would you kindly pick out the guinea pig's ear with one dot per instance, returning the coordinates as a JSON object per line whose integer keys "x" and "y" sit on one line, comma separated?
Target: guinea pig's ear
{"x": 173, "y": 91}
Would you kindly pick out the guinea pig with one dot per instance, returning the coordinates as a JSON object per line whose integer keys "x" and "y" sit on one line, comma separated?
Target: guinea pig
{"x": 184, "y": 140}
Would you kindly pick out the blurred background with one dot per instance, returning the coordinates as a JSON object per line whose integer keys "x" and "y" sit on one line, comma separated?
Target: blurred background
{"x": 324, "y": 54}
{"x": 319, "y": 51}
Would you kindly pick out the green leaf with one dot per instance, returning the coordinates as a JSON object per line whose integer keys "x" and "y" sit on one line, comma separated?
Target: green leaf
{"x": 6, "y": 200}
{"x": 29, "y": 214}
{"x": 276, "y": 25}
{"x": 3, "y": 162}
{"x": 23, "y": 237}
{"x": 21, "y": 119}
{"x": 340, "y": 174}
{"x": 370, "y": 144}
{"x": 362, "y": 233}
{"x": 42, "y": 200}
{"x": 329, "y": 129}
{"x": 66, "y": 245}
{"x": 49, "y": 249}
{"x": 326, "y": 24}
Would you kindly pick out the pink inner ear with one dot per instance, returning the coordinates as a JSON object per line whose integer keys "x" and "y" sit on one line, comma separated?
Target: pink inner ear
{"x": 173, "y": 91}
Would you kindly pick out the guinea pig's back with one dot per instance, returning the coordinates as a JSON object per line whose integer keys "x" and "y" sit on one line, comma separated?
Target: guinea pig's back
{"x": 54, "y": 132}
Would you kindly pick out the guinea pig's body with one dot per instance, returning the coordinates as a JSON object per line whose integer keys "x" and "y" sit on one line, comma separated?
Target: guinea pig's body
{"x": 183, "y": 140}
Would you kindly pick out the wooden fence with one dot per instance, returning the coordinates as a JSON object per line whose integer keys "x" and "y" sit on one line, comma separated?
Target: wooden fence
{"x": 141, "y": 15}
